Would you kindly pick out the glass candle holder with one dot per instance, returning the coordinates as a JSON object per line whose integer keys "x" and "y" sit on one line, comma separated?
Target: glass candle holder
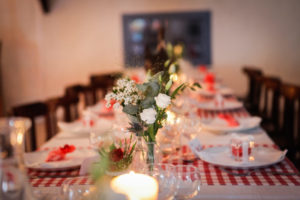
{"x": 241, "y": 147}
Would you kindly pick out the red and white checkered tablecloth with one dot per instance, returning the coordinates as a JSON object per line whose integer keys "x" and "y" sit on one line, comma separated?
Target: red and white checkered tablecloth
{"x": 210, "y": 175}
{"x": 214, "y": 175}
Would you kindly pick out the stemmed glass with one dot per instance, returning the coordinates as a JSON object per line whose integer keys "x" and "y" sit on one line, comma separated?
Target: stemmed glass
{"x": 188, "y": 181}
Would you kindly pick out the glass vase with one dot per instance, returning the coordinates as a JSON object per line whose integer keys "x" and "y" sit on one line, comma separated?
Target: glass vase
{"x": 146, "y": 155}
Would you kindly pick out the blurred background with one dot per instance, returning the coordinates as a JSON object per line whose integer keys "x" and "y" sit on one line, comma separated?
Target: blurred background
{"x": 47, "y": 45}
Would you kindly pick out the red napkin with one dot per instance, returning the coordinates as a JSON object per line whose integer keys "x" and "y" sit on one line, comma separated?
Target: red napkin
{"x": 202, "y": 69}
{"x": 209, "y": 78}
{"x": 231, "y": 121}
{"x": 60, "y": 153}
{"x": 239, "y": 151}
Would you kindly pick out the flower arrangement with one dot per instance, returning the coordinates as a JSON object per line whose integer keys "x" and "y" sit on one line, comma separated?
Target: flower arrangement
{"x": 145, "y": 104}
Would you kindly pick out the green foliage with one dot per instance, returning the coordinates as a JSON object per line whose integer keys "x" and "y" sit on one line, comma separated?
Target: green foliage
{"x": 131, "y": 109}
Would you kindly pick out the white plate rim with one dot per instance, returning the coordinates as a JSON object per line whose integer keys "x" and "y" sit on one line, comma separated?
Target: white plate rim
{"x": 230, "y": 129}
{"x": 237, "y": 166}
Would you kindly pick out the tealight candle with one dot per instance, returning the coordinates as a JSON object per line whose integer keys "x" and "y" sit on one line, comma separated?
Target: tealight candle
{"x": 135, "y": 186}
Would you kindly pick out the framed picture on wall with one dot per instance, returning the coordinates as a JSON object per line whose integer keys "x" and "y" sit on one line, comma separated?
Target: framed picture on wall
{"x": 192, "y": 29}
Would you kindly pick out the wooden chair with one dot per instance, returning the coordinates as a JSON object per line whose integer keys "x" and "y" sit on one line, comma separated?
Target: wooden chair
{"x": 253, "y": 75}
{"x": 291, "y": 120}
{"x": 102, "y": 83}
{"x": 255, "y": 104}
{"x": 85, "y": 90}
{"x": 270, "y": 110}
{"x": 69, "y": 106}
{"x": 32, "y": 111}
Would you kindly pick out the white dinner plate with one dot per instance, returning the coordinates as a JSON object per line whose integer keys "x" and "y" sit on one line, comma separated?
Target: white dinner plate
{"x": 221, "y": 156}
{"x": 36, "y": 160}
{"x": 223, "y": 91}
{"x": 219, "y": 125}
{"x": 228, "y": 105}
{"x": 78, "y": 127}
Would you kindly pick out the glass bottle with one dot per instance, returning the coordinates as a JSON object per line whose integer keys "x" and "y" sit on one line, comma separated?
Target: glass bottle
{"x": 14, "y": 184}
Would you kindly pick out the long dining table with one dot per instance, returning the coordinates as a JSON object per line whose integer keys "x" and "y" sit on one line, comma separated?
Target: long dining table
{"x": 216, "y": 183}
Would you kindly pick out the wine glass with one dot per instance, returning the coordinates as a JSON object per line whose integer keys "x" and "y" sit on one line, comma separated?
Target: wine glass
{"x": 188, "y": 181}
{"x": 166, "y": 178}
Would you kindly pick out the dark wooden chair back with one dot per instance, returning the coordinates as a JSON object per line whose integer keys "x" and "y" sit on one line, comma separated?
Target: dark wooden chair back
{"x": 270, "y": 111}
{"x": 291, "y": 117}
{"x": 70, "y": 105}
{"x": 102, "y": 83}
{"x": 85, "y": 90}
{"x": 256, "y": 99}
{"x": 32, "y": 111}
{"x": 254, "y": 83}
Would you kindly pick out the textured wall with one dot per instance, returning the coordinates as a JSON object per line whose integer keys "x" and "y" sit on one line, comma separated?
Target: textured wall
{"x": 44, "y": 53}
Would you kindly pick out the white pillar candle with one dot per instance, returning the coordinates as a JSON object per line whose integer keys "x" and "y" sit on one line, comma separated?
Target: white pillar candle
{"x": 136, "y": 186}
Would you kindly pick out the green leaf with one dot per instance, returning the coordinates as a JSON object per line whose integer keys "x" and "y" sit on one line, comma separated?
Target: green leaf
{"x": 131, "y": 109}
{"x": 153, "y": 89}
{"x": 174, "y": 93}
{"x": 142, "y": 87}
{"x": 147, "y": 102}
{"x": 133, "y": 119}
{"x": 156, "y": 76}
{"x": 167, "y": 63}
{"x": 197, "y": 85}
{"x": 169, "y": 84}
{"x": 169, "y": 49}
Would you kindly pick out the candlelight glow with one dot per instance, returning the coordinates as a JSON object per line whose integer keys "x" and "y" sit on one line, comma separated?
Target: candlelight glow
{"x": 170, "y": 117}
{"x": 135, "y": 186}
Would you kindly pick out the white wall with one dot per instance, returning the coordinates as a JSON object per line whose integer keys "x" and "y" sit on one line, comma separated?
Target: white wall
{"x": 44, "y": 53}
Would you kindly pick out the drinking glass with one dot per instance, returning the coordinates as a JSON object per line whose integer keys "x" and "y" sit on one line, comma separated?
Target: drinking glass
{"x": 72, "y": 191}
{"x": 166, "y": 178}
{"x": 241, "y": 148}
{"x": 188, "y": 181}
{"x": 98, "y": 138}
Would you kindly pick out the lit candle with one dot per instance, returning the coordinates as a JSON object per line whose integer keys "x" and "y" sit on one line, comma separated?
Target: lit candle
{"x": 136, "y": 186}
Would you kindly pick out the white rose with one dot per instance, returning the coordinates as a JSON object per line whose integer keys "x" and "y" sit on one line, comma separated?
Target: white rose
{"x": 148, "y": 115}
{"x": 162, "y": 100}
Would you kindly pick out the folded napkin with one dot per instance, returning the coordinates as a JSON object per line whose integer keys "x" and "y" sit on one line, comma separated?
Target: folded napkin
{"x": 231, "y": 121}
{"x": 209, "y": 78}
{"x": 87, "y": 164}
{"x": 219, "y": 100}
{"x": 60, "y": 153}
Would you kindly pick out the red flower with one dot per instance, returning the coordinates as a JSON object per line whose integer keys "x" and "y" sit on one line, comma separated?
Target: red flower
{"x": 116, "y": 155}
{"x": 112, "y": 102}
